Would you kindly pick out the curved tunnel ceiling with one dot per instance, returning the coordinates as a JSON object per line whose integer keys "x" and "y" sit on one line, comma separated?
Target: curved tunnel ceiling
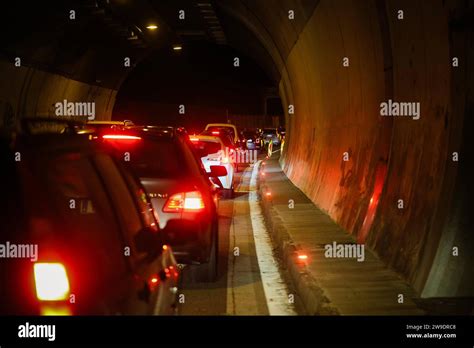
{"x": 334, "y": 63}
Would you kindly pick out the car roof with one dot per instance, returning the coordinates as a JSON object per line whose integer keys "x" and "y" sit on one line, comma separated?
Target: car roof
{"x": 169, "y": 131}
{"x": 221, "y": 125}
{"x": 124, "y": 122}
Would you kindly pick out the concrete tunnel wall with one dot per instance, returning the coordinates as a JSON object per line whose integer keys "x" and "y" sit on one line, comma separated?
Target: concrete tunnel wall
{"x": 31, "y": 92}
{"x": 337, "y": 110}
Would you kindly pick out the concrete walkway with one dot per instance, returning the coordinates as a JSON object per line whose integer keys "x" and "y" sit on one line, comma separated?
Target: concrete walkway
{"x": 325, "y": 285}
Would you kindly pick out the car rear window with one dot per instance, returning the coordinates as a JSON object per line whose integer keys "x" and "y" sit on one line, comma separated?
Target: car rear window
{"x": 205, "y": 148}
{"x": 228, "y": 142}
{"x": 74, "y": 197}
{"x": 269, "y": 131}
{"x": 153, "y": 157}
{"x": 229, "y": 130}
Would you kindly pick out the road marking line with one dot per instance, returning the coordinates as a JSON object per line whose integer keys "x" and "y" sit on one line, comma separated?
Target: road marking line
{"x": 230, "y": 307}
{"x": 276, "y": 291}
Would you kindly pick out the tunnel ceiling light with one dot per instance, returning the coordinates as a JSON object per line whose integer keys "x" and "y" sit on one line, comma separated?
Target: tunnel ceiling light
{"x": 152, "y": 27}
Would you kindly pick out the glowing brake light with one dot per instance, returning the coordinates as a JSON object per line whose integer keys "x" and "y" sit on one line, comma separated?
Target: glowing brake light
{"x": 216, "y": 132}
{"x": 184, "y": 201}
{"x": 194, "y": 139}
{"x": 51, "y": 282}
{"x": 120, "y": 137}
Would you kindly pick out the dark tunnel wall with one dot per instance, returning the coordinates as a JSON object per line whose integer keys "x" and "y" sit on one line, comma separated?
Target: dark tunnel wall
{"x": 337, "y": 110}
{"x": 79, "y": 59}
{"x": 33, "y": 92}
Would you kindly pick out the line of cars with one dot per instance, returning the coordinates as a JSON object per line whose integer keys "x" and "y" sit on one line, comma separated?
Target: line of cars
{"x": 114, "y": 209}
{"x": 272, "y": 135}
{"x": 99, "y": 247}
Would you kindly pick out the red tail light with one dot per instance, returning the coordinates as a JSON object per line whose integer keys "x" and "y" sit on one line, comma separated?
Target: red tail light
{"x": 51, "y": 281}
{"x": 184, "y": 201}
{"x": 194, "y": 139}
{"x": 216, "y": 132}
{"x": 120, "y": 137}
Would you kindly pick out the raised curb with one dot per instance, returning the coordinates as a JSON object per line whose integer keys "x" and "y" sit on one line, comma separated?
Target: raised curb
{"x": 314, "y": 301}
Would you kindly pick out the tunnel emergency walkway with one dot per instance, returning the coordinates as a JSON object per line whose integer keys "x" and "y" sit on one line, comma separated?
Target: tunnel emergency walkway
{"x": 327, "y": 281}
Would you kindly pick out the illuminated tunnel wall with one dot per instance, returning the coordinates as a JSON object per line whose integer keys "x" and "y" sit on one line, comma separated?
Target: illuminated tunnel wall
{"x": 336, "y": 110}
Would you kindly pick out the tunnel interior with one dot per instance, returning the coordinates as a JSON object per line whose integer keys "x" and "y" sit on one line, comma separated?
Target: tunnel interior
{"x": 401, "y": 185}
{"x": 203, "y": 80}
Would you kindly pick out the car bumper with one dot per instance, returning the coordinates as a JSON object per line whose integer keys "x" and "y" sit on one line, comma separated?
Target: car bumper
{"x": 190, "y": 239}
{"x": 251, "y": 146}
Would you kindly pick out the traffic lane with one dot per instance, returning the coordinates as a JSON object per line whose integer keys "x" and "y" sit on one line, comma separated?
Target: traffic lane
{"x": 245, "y": 292}
{"x": 199, "y": 298}
{"x": 238, "y": 290}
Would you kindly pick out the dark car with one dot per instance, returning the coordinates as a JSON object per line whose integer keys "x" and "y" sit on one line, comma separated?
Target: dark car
{"x": 181, "y": 192}
{"x": 99, "y": 249}
{"x": 251, "y": 139}
{"x": 270, "y": 135}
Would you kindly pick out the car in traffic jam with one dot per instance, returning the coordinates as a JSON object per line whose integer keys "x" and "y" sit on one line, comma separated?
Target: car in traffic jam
{"x": 251, "y": 139}
{"x": 270, "y": 135}
{"x": 183, "y": 197}
{"x": 91, "y": 241}
{"x": 212, "y": 152}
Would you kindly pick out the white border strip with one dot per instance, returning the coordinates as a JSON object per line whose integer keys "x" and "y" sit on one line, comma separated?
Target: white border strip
{"x": 276, "y": 291}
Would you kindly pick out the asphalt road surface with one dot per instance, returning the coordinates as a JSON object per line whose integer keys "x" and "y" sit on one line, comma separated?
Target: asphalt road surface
{"x": 251, "y": 281}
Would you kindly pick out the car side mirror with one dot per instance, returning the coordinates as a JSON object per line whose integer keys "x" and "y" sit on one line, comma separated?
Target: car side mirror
{"x": 217, "y": 171}
{"x": 147, "y": 241}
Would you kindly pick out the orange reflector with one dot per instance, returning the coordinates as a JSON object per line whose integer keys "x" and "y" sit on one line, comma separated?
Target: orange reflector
{"x": 51, "y": 281}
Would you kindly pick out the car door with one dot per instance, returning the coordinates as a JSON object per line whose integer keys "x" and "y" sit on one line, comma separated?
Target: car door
{"x": 162, "y": 272}
{"x": 134, "y": 215}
